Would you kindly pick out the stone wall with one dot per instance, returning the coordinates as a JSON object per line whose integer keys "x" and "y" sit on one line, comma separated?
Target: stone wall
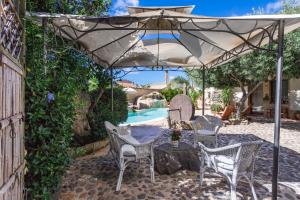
{"x": 132, "y": 98}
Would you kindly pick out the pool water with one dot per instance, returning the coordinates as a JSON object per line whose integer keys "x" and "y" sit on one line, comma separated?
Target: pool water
{"x": 145, "y": 115}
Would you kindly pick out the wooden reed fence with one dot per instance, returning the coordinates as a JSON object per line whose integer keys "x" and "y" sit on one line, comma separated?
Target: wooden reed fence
{"x": 11, "y": 104}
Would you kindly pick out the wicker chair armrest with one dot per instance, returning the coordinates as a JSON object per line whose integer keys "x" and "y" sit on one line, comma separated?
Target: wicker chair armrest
{"x": 217, "y": 128}
{"x": 220, "y": 150}
{"x": 123, "y": 141}
{"x": 148, "y": 143}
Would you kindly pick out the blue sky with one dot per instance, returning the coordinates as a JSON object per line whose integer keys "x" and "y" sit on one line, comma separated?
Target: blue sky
{"x": 203, "y": 7}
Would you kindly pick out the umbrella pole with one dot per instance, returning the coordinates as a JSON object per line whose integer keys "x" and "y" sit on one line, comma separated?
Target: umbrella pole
{"x": 112, "y": 91}
{"x": 277, "y": 116}
{"x": 203, "y": 90}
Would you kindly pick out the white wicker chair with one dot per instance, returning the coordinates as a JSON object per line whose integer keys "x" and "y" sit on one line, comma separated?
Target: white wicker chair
{"x": 206, "y": 129}
{"x": 233, "y": 161}
{"x": 126, "y": 149}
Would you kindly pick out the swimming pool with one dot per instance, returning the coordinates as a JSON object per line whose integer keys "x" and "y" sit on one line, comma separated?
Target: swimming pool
{"x": 146, "y": 115}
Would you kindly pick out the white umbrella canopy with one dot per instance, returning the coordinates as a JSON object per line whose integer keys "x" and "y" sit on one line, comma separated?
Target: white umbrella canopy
{"x": 129, "y": 90}
{"x": 169, "y": 36}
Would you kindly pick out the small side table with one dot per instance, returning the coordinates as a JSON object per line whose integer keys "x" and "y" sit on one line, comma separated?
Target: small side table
{"x": 169, "y": 159}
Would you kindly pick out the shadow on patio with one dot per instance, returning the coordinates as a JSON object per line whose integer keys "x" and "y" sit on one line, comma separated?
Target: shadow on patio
{"x": 95, "y": 177}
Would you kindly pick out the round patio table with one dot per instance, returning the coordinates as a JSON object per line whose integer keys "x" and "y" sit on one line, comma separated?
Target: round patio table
{"x": 169, "y": 159}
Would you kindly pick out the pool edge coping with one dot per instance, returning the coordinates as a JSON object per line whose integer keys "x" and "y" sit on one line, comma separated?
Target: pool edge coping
{"x": 143, "y": 122}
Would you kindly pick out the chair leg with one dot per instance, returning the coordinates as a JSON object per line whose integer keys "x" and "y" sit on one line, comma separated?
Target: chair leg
{"x": 152, "y": 169}
{"x": 202, "y": 172}
{"x": 233, "y": 190}
{"x": 122, "y": 168}
{"x": 120, "y": 180}
{"x": 252, "y": 188}
{"x": 152, "y": 174}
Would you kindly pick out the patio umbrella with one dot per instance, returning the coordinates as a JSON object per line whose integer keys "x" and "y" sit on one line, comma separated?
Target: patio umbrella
{"x": 193, "y": 41}
{"x": 129, "y": 90}
{"x": 139, "y": 39}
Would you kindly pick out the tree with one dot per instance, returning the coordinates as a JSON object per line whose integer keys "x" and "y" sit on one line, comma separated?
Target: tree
{"x": 254, "y": 68}
{"x": 180, "y": 82}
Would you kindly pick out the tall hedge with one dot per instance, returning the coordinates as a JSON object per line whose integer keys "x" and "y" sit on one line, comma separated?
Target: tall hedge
{"x": 102, "y": 111}
{"x": 51, "y": 86}
{"x": 53, "y": 78}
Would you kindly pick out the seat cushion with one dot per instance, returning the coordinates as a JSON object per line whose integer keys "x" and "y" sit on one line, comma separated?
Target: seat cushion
{"x": 128, "y": 150}
{"x": 205, "y": 132}
{"x": 223, "y": 162}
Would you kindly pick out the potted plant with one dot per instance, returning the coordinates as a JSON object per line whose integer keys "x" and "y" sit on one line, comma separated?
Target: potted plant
{"x": 175, "y": 137}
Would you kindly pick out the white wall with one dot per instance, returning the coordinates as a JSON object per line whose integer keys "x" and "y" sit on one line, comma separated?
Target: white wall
{"x": 213, "y": 95}
{"x": 294, "y": 94}
{"x": 237, "y": 93}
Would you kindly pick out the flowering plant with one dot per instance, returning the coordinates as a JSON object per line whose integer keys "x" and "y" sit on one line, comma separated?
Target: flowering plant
{"x": 176, "y": 134}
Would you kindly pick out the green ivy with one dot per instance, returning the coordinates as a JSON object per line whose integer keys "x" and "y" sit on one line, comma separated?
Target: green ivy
{"x": 63, "y": 72}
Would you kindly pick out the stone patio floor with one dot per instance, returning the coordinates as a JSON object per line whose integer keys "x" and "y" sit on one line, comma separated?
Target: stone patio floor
{"x": 94, "y": 177}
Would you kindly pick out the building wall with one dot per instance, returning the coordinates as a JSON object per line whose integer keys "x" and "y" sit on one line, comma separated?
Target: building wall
{"x": 213, "y": 95}
{"x": 257, "y": 96}
{"x": 294, "y": 94}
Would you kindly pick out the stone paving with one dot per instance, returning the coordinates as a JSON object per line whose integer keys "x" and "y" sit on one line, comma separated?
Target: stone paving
{"x": 95, "y": 177}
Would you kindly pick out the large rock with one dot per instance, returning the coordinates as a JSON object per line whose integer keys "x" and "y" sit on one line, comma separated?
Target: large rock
{"x": 152, "y": 100}
{"x": 169, "y": 159}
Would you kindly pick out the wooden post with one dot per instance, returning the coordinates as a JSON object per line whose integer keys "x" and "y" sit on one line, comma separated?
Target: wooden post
{"x": 45, "y": 39}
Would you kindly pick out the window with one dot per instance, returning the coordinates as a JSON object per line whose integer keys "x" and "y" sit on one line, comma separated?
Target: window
{"x": 285, "y": 91}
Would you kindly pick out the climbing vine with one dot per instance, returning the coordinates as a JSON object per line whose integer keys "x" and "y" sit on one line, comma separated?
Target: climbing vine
{"x": 55, "y": 74}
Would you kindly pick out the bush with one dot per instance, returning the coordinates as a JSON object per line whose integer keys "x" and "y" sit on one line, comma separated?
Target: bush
{"x": 216, "y": 107}
{"x": 227, "y": 95}
{"x": 48, "y": 124}
{"x": 194, "y": 96}
{"x": 102, "y": 111}
{"x": 169, "y": 93}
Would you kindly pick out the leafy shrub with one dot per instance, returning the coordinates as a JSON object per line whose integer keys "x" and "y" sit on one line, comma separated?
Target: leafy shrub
{"x": 227, "y": 95}
{"x": 194, "y": 96}
{"x": 52, "y": 81}
{"x": 51, "y": 88}
{"x": 216, "y": 107}
{"x": 102, "y": 111}
{"x": 169, "y": 93}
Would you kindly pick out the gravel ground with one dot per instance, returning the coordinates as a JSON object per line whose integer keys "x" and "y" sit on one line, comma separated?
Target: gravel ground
{"x": 94, "y": 177}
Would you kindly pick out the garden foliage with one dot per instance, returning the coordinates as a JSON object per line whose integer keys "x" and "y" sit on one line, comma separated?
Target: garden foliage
{"x": 169, "y": 93}
{"x": 51, "y": 85}
{"x": 53, "y": 79}
{"x": 102, "y": 111}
